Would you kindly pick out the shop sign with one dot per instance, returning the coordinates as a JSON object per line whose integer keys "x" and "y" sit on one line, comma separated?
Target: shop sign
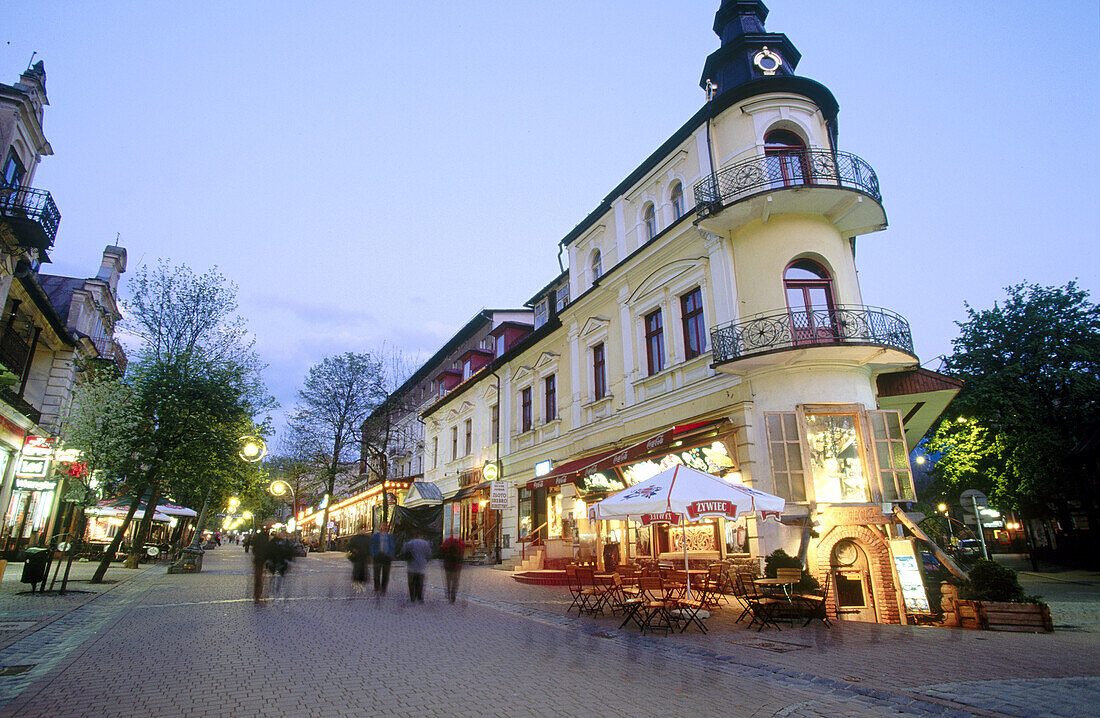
{"x": 913, "y": 592}
{"x": 498, "y": 495}
{"x": 25, "y": 484}
{"x": 855, "y": 516}
{"x": 490, "y": 472}
{"x": 542, "y": 483}
{"x": 543, "y": 467}
{"x": 32, "y": 466}
{"x": 663, "y": 518}
{"x": 391, "y": 498}
{"x": 38, "y": 446}
{"x": 720, "y": 508}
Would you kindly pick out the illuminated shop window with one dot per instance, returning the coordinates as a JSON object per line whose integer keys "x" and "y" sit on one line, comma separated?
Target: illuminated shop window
{"x": 788, "y": 474}
{"x": 837, "y": 470}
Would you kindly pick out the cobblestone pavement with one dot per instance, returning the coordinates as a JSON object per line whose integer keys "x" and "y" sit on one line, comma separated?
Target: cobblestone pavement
{"x": 195, "y": 645}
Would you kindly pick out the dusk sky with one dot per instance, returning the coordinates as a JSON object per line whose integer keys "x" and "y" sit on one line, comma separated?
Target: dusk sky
{"x": 375, "y": 173}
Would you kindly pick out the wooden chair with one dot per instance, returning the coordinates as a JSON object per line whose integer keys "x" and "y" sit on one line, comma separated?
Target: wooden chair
{"x": 655, "y": 604}
{"x": 576, "y": 590}
{"x": 791, "y": 575}
{"x": 718, "y": 575}
{"x": 695, "y": 609}
{"x": 761, "y": 608}
{"x": 816, "y": 607}
{"x": 595, "y": 594}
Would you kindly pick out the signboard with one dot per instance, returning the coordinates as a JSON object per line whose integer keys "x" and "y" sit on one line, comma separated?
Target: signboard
{"x": 543, "y": 467}
{"x": 32, "y": 466}
{"x": 854, "y": 516}
{"x": 908, "y": 568}
{"x": 970, "y": 498}
{"x": 498, "y": 495}
{"x": 490, "y": 472}
{"x": 38, "y": 446}
{"x": 31, "y": 484}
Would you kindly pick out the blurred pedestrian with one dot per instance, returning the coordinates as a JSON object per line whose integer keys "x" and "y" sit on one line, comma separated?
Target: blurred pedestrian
{"x": 418, "y": 551}
{"x": 359, "y": 555}
{"x": 259, "y": 557}
{"x": 452, "y": 551}
{"x": 279, "y": 555}
{"x": 247, "y": 542}
{"x": 381, "y": 552}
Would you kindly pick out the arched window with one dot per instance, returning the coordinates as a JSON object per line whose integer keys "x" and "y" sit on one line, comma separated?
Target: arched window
{"x": 650, "y": 221}
{"x": 677, "y": 198}
{"x": 786, "y": 157}
{"x": 809, "y": 291}
{"x": 597, "y": 265}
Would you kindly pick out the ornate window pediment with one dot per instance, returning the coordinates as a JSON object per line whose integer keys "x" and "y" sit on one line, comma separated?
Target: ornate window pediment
{"x": 663, "y": 276}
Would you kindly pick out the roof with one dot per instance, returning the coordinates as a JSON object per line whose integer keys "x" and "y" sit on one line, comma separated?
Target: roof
{"x": 60, "y": 292}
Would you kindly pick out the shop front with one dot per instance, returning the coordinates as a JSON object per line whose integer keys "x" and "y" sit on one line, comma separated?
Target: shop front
{"x": 346, "y": 517}
{"x": 554, "y": 507}
{"x": 467, "y": 516}
{"x": 33, "y": 497}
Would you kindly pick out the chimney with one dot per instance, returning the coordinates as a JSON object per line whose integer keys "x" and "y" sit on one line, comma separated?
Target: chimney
{"x": 114, "y": 264}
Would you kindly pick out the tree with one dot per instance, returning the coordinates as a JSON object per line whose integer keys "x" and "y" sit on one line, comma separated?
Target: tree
{"x": 193, "y": 391}
{"x": 337, "y": 395}
{"x": 393, "y": 426}
{"x": 1030, "y": 404}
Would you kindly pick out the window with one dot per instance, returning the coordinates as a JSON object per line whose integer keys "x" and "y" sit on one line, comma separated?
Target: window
{"x": 654, "y": 342}
{"x": 888, "y": 438}
{"x": 599, "y": 377}
{"x": 695, "y": 338}
{"x": 467, "y": 369}
{"x": 469, "y": 437}
{"x": 454, "y": 443}
{"x": 677, "y": 197}
{"x": 562, "y": 297}
{"x": 500, "y": 345}
{"x": 650, "y": 221}
{"x": 495, "y": 430}
{"x": 834, "y": 442}
{"x": 810, "y": 301}
{"x": 13, "y": 171}
{"x": 525, "y": 409}
{"x": 597, "y": 265}
{"x": 542, "y": 311}
{"x": 788, "y": 474}
{"x": 551, "y": 386}
{"x": 785, "y": 154}
{"x": 435, "y": 451}
{"x": 442, "y": 389}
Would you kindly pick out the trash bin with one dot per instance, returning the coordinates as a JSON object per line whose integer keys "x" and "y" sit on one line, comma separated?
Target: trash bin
{"x": 34, "y": 565}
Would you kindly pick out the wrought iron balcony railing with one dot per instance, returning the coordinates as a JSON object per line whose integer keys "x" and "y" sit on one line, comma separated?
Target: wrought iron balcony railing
{"x": 14, "y": 351}
{"x": 20, "y": 404}
{"x": 33, "y": 214}
{"x": 806, "y": 168}
{"x": 112, "y": 351}
{"x": 787, "y": 329}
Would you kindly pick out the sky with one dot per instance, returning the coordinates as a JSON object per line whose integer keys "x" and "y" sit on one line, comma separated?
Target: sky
{"x": 372, "y": 174}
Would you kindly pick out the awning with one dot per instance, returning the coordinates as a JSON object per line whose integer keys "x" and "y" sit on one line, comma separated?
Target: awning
{"x": 603, "y": 461}
{"x": 423, "y": 493}
{"x": 467, "y": 492}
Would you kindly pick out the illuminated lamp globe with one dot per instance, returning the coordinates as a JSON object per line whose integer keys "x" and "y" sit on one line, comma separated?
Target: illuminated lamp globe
{"x": 253, "y": 449}
{"x": 279, "y": 488}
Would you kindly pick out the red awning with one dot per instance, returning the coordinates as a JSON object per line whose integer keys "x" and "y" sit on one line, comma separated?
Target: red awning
{"x": 573, "y": 470}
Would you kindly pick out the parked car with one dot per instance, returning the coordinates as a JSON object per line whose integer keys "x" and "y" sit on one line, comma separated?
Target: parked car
{"x": 930, "y": 562}
{"x": 968, "y": 550}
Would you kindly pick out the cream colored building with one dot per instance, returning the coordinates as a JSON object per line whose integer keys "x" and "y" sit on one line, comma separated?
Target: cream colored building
{"x": 712, "y": 304}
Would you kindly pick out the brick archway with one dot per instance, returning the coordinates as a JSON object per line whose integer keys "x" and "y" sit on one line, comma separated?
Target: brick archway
{"x": 874, "y": 545}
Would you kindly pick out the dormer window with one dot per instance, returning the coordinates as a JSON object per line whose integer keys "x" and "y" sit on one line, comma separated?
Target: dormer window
{"x": 650, "y": 216}
{"x": 467, "y": 369}
{"x": 562, "y": 297}
{"x": 542, "y": 313}
{"x": 597, "y": 265}
{"x": 677, "y": 199}
{"x": 500, "y": 345}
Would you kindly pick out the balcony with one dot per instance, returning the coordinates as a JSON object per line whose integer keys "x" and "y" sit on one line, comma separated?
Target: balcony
{"x": 846, "y": 333}
{"x": 110, "y": 351}
{"x": 14, "y": 351}
{"x": 20, "y": 404}
{"x": 837, "y": 185}
{"x": 31, "y": 214}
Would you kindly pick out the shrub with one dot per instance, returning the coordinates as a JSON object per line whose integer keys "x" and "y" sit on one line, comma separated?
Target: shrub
{"x": 780, "y": 559}
{"x": 990, "y": 581}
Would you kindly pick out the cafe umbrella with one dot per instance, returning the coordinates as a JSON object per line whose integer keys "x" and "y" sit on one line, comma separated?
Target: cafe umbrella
{"x": 681, "y": 494}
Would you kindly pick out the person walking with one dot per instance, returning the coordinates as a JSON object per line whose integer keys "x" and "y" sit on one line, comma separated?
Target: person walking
{"x": 279, "y": 556}
{"x": 259, "y": 558}
{"x": 452, "y": 551}
{"x": 381, "y": 552}
{"x": 419, "y": 551}
{"x": 359, "y": 555}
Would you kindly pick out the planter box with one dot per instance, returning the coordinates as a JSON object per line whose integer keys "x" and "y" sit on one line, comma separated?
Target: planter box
{"x": 1002, "y": 616}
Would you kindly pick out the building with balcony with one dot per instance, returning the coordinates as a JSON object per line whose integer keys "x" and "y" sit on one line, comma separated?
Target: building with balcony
{"x": 49, "y": 325}
{"x": 712, "y": 315}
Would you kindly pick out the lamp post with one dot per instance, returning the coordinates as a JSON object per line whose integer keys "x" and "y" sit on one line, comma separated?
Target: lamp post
{"x": 279, "y": 489}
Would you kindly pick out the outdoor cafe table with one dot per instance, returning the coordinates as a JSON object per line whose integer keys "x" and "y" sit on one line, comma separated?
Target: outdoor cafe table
{"x": 772, "y": 585}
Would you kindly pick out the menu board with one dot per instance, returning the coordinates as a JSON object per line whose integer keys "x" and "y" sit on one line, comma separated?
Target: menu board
{"x": 908, "y": 568}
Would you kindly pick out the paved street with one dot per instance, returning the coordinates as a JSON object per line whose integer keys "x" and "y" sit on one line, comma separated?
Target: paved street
{"x": 154, "y": 644}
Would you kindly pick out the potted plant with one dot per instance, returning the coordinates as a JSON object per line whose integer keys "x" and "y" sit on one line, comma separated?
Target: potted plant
{"x": 992, "y": 599}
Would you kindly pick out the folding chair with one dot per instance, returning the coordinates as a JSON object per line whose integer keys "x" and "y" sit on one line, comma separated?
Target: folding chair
{"x": 816, "y": 607}
{"x": 655, "y": 604}
{"x": 761, "y": 608}
{"x": 576, "y": 590}
{"x": 692, "y": 610}
{"x": 594, "y": 594}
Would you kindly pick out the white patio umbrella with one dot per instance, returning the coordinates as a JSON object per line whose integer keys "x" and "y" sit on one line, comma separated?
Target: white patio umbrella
{"x": 681, "y": 494}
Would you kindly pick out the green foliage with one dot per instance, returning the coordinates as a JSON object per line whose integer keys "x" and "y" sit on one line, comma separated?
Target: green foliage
{"x": 990, "y": 581}
{"x": 1031, "y": 397}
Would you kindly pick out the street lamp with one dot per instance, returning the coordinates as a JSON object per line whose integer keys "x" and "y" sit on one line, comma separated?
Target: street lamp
{"x": 253, "y": 449}
{"x": 279, "y": 489}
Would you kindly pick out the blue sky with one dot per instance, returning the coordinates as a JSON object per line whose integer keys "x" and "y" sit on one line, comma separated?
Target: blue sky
{"x": 374, "y": 173}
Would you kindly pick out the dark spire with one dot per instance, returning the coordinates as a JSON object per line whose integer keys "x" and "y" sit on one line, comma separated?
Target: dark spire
{"x": 748, "y": 52}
